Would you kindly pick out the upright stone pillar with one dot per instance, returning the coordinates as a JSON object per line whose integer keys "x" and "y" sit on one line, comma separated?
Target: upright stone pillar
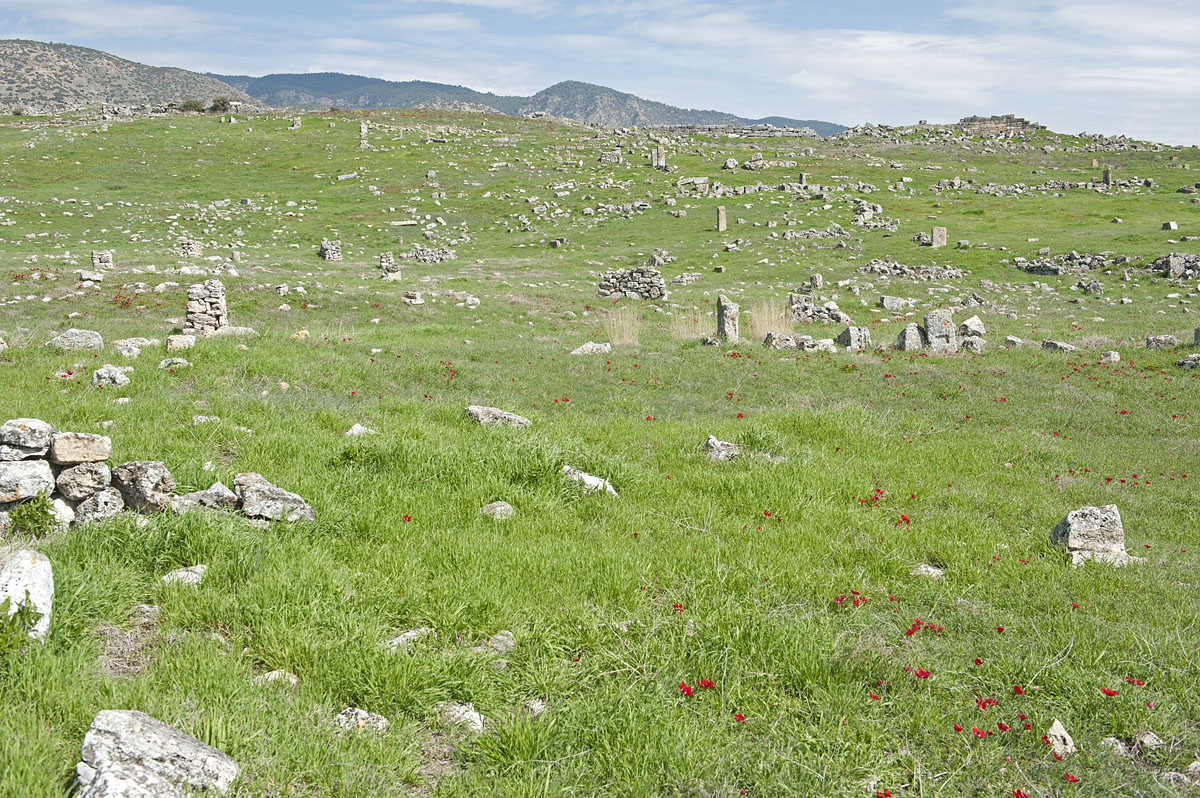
{"x": 727, "y": 320}
{"x": 722, "y": 224}
{"x": 206, "y": 311}
{"x": 940, "y": 237}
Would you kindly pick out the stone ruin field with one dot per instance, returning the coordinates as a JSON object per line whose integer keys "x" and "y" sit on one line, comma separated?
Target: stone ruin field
{"x": 445, "y": 454}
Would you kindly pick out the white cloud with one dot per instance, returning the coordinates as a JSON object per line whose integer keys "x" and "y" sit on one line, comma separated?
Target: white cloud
{"x": 115, "y": 18}
{"x": 432, "y": 23}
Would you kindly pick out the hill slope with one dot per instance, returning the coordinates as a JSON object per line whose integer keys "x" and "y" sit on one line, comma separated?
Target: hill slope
{"x": 582, "y": 102}
{"x": 58, "y": 77}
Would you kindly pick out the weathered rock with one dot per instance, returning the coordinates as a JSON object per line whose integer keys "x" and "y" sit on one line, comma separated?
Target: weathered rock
{"x": 1110, "y": 357}
{"x": 778, "y": 341}
{"x": 461, "y": 715}
{"x": 1147, "y": 741}
{"x": 1189, "y": 361}
{"x": 500, "y": 643}
{"x": 216, "y": 497}
{"x": 173, "y": 363}
{"x": 500, "y": 511}
{"x": 1161, "y": 342}
{"x": 1116, "y": 746}
{"x": 894, "y": 303}
{"x": 1057, "y": 346}
{"x": 720, "y": 451}
{"x": 493, "y": 415}
{"x": 359, "y": 720}
{"x": 940, "y": 332}
{"x": 402, "y": 641}
{"x": 359, "y": 429}
{"x": 74, "y": 340}
{"x": 132, "y": 347}
{"x": 279, "y": 676}
{"x": 79, "y": 482}
{"x": 590, "y": 483}
{"x": 931, "y": 571}
{"x": 61, "y": 512}
{"x": 258, "y": 498}
{"x": 128, "y": 754}
{"x": 26, "y": 571}
{"x": 178, "y": 343}
{"x": 1060, "y": 742}
{"x": 144, "y": 484}
{"x": 856, "y": 338}
{"x": 727, "y": 319}
{"x": 592, "y": 348}
{"x": 192, "y": 575}
{"x": 21, "y": 438}
{"x": 71, "y": 448}
{"x": 1093, "y": 533}
{"x": 104, "y": 503}
{"x": 972, "y": 326}
{"x": 911, "y": 338}
{"x": 109, "y": 375}
{"x": 1012, "y": 340}
{"x": 24, "y": 479}
{"x": 972, "y": 343}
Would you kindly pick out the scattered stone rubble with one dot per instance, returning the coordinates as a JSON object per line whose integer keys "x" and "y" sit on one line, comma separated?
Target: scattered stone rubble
{"x": 1072, "y": 263}
{"x": 887, "y": 268}
{"x": 430, "y": 254}
{"x": 805, "y": 310}
{"x": 186, "y": 248}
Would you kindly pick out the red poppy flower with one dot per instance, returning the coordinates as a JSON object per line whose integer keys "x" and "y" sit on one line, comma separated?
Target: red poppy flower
{"x": 683, "y": 688}
{"x": 978, "y": 661}
{"x": 873, "y": 696}
{"x": 738, "y": 717}
{"x": 1070, "y": 778}
{"x": 1109, "y": 693}
{"x": 1017, "y": 689}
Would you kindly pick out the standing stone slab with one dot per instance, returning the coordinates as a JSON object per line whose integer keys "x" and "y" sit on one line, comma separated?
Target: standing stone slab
{"x": 940, "y": 332}
{"x": 722, "y": 222}
{"x": 911, "y": 338}
{"x": 940, "y": 237}
{"x": 74, "y": 340}
{"x": 128, "y": 754}
{"x": 1093, "y": 533}
{"x": 855, "y": 338}
{"x": 727, "y": 320}
{"x": 26, "y": 572}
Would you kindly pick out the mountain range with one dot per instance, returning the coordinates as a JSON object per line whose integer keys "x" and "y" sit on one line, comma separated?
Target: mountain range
{"x": 582, "y": 102}
{"x": 40, "y": 77}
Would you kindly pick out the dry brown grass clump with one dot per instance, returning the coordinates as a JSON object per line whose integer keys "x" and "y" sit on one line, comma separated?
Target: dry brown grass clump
{"x": 623, "y": 326}
{"x": 767, "y": 316}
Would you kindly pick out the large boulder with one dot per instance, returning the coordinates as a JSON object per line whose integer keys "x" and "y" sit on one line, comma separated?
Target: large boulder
{"x": 70, "y": 448}
{"x": 144, "y": 484}
{"x": 911, "y": 338}
{"x": 79, "y": 482}
{"x": 128, "y": 754}
{"x": 25, "y": 437}
{"x": 258, "y": 498}
{"x": 75, "y": 340}
{"x": 24, "y": 572}
{"x": 24, "y": 479}
{"x": 1093, "y": 533}
{"x": 493, "y": 415}
{"x": 855, "y": 338}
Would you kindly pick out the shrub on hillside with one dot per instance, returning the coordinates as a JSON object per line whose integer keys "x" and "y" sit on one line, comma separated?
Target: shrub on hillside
{"x": 191, "y": 105}
{"x": 220, "y": 105}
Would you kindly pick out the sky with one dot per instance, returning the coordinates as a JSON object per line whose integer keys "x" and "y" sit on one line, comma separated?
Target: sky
{"x": 1074, "y": 65}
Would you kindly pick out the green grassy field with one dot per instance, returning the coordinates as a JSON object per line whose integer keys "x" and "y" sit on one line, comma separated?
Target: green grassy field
{"x": 742, "y": 575}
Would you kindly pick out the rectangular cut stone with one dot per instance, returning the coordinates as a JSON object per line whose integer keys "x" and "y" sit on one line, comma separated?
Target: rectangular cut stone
{"x": 940, "y": 332}
{"x": 939, "y": 237}
{"x": 722, "y": 224}
{"x": 70, "y": 448}
{"x": 727, "y": 319}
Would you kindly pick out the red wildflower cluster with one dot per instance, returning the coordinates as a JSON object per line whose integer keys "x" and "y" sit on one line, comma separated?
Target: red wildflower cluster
{"x": 856, "y": 599}
{"x": 918, "y": 625}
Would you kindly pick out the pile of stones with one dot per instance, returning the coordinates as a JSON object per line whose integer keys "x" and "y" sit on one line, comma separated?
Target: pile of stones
{"x": 805, "y": 310}
{"x": 331, "y": 250}
{"x": 430, "y": 255}
{"x": 1178, "y": 266}
{"x": 1072, "y": 263}
{"x": 102, "y": 259}
{"x": 804, "y": 343}
{"x": 612, "y": 156}
{"x": 186, "y": 248}
{"x": 387, "y": 263}
{"x": 70, "y": 468}
{"x": 868, "y": 215}
{"x": 887, "y": 268}
{"x": 206, "y": 314}
{"x": 643, "y": 282}
{"x": 687, "y": 278}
